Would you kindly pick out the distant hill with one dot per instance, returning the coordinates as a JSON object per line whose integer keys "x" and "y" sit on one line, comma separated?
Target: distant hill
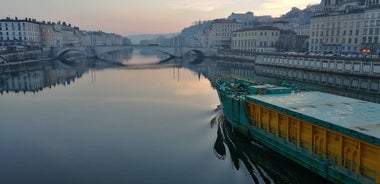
{"x": 296, "y": 15}
{"x": 195, "y": 28}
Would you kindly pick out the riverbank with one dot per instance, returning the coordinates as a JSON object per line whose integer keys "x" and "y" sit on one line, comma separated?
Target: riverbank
{"x": 364, "y": 67}
{"x": 26, "y": 56}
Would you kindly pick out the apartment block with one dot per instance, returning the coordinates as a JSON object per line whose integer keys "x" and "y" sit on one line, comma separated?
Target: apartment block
{"x": 258, "y": 39}
{"x": 218, "y": 34}
{"x": 345, "y": 26}
{"x": 25, "y": 32}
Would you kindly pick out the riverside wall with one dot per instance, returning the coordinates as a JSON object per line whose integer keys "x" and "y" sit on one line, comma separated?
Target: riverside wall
{"x": 364, "y": 67}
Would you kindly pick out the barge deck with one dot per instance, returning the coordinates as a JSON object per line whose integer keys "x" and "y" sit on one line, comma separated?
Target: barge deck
{"x": 334, "y": 136}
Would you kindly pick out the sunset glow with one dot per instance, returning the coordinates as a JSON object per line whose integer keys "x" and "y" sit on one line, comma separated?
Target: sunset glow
{"x": 143, "y": 16}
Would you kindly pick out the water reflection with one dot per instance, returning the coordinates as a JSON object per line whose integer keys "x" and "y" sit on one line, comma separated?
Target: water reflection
{"x": 36, "y": 76}
{"x": 263, "y": 165}
{"x": 135, "y": 120}
{"x": 363, "y": 88}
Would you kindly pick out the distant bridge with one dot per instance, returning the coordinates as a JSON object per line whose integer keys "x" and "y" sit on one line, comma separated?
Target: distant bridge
{"x": 93, "y": 51}
{"x": 178, "y": 51}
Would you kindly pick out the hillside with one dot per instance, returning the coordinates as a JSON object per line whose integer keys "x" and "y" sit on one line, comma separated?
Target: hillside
{"x": 296, "y": 15}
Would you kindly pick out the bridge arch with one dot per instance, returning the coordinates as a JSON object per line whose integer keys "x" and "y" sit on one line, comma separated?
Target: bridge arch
{"x": 174, "y": 51}
{"x": 170, "y": 55}
{"x": 198, "y": 52}
{"x": 63, "y": 52}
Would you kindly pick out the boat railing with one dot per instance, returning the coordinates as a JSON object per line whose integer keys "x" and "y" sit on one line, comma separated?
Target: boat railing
{"x": 236, "y": 78}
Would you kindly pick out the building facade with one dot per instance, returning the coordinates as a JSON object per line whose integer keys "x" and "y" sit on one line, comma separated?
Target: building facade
{"x": 258, "y": 39}
{"x": 25, "y": 32}
{"x": 345, "y": 26}
{"x": 371, "y": 31}
{"x": 218, "y": 34}
{"x": 302, "y": 30}
{"x": 33, "y": 34}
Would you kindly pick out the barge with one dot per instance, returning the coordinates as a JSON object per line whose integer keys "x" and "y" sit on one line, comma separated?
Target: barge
{"x": 334, "y": 136}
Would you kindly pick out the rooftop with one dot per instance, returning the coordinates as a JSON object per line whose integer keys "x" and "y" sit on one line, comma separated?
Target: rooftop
{"x": 271, "y": 28}
{"x": 224, "y": 21}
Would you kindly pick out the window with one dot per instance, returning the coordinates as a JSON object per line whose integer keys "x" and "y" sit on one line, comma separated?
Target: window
{"x": 372, "y": 23}
{"x": 366, "y": 23}
{"x": 370, "y": 31}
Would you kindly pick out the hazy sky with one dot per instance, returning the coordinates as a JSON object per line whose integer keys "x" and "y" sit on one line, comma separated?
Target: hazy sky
{"x": 141, "y": 16}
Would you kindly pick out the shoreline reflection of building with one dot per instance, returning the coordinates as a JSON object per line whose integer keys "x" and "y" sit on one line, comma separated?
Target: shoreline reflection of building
{"x": 36, "y": 80}
{"x": 363, "y": 88}
{"x": 35, "y": 77}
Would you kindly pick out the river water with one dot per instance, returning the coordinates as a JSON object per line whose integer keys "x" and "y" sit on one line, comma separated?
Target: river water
{"x": 95, "y": 122}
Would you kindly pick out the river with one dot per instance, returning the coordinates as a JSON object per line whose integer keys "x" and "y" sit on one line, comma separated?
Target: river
{"x": 145, "y": 122}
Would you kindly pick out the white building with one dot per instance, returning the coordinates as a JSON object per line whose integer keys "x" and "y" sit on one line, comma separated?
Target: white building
{"x": 218, "y": 34}
{"x": 345, "y": 26}
{"x": 99, "y": 38}
{"x": 24, "y": 32}
{"x": 33, "y": 34}
{"x": 258, "y": 39}
{"x": 371, "y": 31}
{"x": 303, "y": 30}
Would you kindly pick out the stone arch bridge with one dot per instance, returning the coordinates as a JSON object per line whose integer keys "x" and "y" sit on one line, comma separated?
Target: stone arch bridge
{"x": 94, "y": 51}
{"x": 178, "y": 51}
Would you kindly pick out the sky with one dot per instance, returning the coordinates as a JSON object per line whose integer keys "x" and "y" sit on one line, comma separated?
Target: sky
{"x": 127, "y": 17}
